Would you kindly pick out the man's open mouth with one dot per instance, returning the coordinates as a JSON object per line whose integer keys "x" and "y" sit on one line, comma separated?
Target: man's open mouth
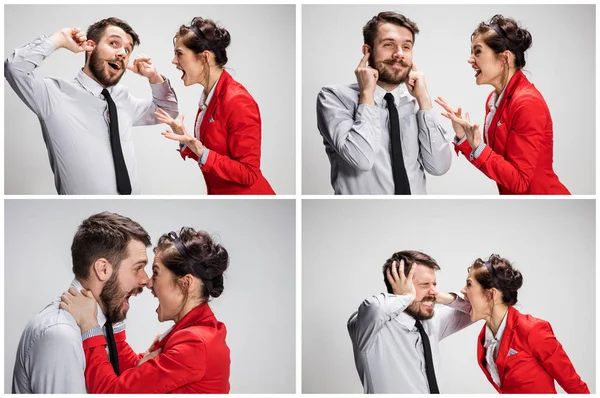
{"x": 115, "y": 66}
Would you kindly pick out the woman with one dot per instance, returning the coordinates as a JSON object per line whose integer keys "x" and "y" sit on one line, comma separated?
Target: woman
{"x": 518, "y": 353}
{"x": 516, "y": 150}
{"x": 227, "y": 131}
{"x": 191, "y": 357}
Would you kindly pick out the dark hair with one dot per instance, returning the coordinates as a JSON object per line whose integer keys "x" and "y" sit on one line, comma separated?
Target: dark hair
{"x": 104, "y": 235}
{"x": 194, "y": 252}
{"x": 204, "y": 34}
{"x": 498, "y": 272}
{"x": 96, "y": 30}
{"x": 370, "y": 29}
{"x": 409, "y": 257}
{"x": 501, "y": 34}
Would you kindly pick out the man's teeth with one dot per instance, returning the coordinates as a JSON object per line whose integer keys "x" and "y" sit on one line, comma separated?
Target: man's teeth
{"x": 427, "y": 303}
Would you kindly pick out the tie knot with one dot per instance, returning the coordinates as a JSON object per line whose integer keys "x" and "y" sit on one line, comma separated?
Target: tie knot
{"x": 389, "y": 97}
{"x": 105, "y": 93}
{"x": 419, "y": 325}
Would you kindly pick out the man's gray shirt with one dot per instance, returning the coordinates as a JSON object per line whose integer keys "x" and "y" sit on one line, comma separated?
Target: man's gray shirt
{"x": 357, "y": 141}
{"x": 50, "y": 357}
{"x": 75, "y": 123}
{"x": 388, "y": 350}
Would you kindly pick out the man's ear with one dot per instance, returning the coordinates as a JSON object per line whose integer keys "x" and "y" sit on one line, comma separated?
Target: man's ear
{"x": 102, "y": 269}
{"x": 366, "y": 49}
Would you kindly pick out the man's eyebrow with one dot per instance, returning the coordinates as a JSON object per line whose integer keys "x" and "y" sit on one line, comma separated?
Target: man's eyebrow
{"x": 392, "y": 39}
{"x": 115, "y": 36}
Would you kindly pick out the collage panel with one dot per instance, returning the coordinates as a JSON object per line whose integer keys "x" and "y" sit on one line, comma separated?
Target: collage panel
{"x": 180, "y": 78}
{"x": 482, "y": 105}
{"x": 172, "y": 256}
{"x": 518, "y": 275}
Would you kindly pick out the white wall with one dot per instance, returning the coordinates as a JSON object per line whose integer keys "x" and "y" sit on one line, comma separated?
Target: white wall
{"x": 258, "y": 234}
{"x": 262, "y": 57}
{"x": 561, "y": 64}
{"x": 346, "y": 242}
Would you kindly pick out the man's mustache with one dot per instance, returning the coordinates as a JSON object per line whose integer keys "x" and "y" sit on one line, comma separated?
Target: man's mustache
{"x": 394, "y": 61}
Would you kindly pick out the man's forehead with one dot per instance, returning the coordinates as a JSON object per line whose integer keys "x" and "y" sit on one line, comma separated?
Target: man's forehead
{"x": 137, "y": 250}
{"x": 116, "y": 32}
{"x": 387, "y": 30}
{"x": 424, "y": 273}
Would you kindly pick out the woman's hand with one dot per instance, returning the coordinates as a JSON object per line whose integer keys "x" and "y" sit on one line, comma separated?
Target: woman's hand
{"x": 149, "y": 354}
{"x": 175, "y": 124}
{"x": 82, "y": 306}
{"x": 179, "y": 133}
{"x": 471, "y": 130}
{"x": 460, "y": 125}
{"x": 458, "y": 128}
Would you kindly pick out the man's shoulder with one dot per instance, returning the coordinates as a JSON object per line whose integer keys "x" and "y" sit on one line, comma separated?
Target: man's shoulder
{"x": 349, "y": 90}
{"x": 52, "y": 321}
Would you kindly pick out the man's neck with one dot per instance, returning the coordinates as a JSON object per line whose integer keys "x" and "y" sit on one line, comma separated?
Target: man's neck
{"x": 387, "y": 86}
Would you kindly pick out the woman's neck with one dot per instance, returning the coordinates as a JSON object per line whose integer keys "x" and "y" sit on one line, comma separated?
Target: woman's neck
{"x": 494, "y": 320}
{"x": 213, "y": 76}
{"x": 187, "y": 307}
{"x": 500, "y": 86}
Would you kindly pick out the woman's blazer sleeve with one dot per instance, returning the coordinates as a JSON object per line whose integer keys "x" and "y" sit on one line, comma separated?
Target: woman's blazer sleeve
{"x": 551, "y": 355}
{"x": 182, "y": 361}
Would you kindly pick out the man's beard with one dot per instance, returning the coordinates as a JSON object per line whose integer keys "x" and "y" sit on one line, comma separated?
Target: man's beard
{"x": 112, "y": 297}
{"x": 415, "y": 311}
{"x": 387, "y": 76}
{"x": 98, "y": 69}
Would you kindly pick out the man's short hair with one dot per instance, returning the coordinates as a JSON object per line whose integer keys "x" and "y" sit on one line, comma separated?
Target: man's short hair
{"x": 409, "y": 257}
{"x": 370, "y": 29}
{"x": 104, "y": 235}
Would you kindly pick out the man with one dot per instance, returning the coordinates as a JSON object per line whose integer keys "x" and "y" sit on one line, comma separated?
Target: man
{"x": 396, "y": 336}
{"x": 109, "y": 256}
{"x": 381, "y": 133}
{"x": 86, "y": 122}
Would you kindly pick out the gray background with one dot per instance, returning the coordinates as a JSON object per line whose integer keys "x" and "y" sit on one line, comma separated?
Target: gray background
{"x": 345, "y": 243}
{"x": 561, "y": 64}
{"x": 257, "y": 305}
{"x": 262, "y": 57}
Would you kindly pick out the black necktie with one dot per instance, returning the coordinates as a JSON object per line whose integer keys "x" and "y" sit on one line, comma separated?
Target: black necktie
{"x": 433, "y": 387}
{"x": 401, "y": 184}
{"x": 112, "y": 347}
{"x": 123, "y": 184}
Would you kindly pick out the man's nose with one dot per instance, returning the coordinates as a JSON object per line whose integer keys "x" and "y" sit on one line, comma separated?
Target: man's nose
{"x": 121, "y": 53}
{"x": 399, "y": 54}
{"x": 144, "y": 278}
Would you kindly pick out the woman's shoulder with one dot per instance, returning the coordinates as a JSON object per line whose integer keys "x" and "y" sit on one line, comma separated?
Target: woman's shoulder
{"x": 527, "y": 94}
{"x": 528, "y": 324}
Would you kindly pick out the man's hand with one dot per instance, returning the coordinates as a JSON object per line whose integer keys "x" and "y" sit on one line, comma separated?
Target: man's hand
{"x": 72, "y": 39}
{"x": 367, "y": 81}
{"x": 418, "y": 89}
{"x": 401, "y": 285}
{"x": 445, "y": 298}
{"x": 143, "y": 66}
